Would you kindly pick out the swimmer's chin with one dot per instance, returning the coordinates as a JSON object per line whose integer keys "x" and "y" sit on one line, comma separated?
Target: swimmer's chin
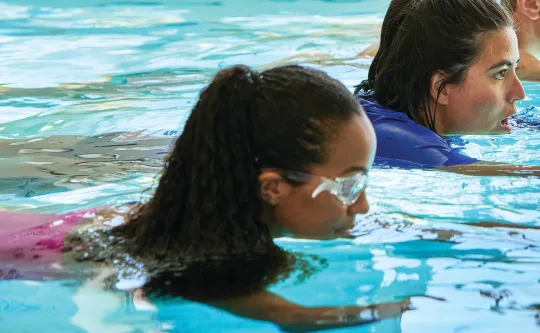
{"x": 500, "y": 129}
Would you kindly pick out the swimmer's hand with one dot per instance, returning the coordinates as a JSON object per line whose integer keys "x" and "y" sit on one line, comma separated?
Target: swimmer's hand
{"x": 294, "y": 318}
{"x": 324, "y": 318}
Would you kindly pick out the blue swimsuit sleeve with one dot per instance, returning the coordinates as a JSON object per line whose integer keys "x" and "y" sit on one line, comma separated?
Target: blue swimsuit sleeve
{"x": 411, "y": 145}
{"x": 401, "y": 142}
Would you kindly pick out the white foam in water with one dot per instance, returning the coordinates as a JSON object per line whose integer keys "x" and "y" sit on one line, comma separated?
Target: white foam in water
{"x": 57, "y": 223}
{"x": 130, "y": 284}
{"x": 32, "y": 283}
{"x": 89, "y": 215}
{"x": 115, "y": 221}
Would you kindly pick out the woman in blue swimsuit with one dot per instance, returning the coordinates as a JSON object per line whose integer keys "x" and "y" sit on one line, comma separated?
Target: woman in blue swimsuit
{"x": 443, "y": 68}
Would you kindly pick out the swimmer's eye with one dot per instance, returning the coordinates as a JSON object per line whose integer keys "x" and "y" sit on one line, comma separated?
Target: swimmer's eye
{"x": 500, "y": 75}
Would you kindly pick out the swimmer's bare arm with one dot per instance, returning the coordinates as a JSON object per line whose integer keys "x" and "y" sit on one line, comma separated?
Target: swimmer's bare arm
{"x": 371, "y": 51}
{"x": 447, "y": 235}
{"x": 291, "y": 317}
{"x": 529, "y": 67}
{"x": 494, "y": 169}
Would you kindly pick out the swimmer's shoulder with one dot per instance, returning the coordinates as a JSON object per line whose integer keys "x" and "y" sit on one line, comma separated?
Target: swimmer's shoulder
{"x": 397, "y": 129}
{"x": 400, "y": 139}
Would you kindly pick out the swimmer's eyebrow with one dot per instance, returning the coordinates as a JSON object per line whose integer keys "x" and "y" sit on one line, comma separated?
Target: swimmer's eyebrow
{"x": 502, "y": 63}
{"x": 355, "y": 169}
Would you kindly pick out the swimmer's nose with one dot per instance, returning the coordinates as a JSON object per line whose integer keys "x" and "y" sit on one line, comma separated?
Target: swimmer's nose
{"x": 517, "y": 93}
{"x": 361, "y": 206}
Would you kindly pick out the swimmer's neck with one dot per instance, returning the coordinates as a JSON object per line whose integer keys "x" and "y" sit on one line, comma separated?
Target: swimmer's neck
{"x": 267, "y": 217}
{"x": 439, "y": 124}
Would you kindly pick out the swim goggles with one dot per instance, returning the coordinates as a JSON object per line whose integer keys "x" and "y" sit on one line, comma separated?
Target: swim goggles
{"x": 346, "y": 189}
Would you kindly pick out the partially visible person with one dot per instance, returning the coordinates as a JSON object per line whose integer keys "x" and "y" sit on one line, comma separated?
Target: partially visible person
{"x": 526, "y": 15}
{"x": 444, "y": 68}
{"x": 283, "y": 152}
{"x": 526, "y": 18}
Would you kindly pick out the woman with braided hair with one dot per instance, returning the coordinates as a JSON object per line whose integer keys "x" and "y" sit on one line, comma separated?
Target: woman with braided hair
{"x": 283, "y": 152}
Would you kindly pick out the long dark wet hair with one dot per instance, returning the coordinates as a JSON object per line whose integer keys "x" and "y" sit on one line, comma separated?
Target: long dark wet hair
{"x": 422, "y": 37}
{"x": 206, "y": 210}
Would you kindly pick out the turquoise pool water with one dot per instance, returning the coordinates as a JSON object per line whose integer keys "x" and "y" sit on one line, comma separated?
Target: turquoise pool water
{"x": 103, "y": 67}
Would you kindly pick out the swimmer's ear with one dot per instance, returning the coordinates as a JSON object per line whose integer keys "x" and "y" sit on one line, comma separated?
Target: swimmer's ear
{"x": 438, "y": 94}
{"x": 530, "y": 8}
{"x": 272, "y": 187}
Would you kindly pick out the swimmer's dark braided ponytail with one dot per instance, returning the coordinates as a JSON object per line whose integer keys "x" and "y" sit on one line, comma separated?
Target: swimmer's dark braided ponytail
{"x": 209, "y": 186}
{"x": 207, "y": 203}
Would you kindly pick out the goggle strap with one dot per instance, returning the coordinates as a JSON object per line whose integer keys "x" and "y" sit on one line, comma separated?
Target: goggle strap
{"x": 325, "y": 186}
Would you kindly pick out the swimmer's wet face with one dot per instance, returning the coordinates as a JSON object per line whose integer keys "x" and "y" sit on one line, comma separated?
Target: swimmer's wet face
{"x": 486, "y": 98}
{"x": 297, "y": 213}
{"x": 430, "y": 45}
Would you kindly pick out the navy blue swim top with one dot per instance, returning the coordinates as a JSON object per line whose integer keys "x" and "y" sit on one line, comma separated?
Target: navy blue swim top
{"x": 403, "y": 143}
